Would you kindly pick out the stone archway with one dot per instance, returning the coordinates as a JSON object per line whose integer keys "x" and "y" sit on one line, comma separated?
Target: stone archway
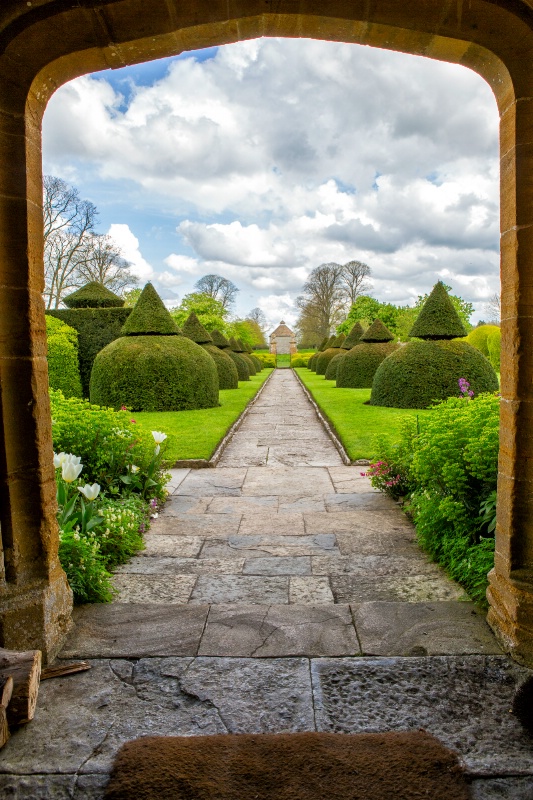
{"x": 47, "y": 42}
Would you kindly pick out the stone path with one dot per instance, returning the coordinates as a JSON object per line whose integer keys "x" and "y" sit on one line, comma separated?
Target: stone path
{"x": 277, "y": 592}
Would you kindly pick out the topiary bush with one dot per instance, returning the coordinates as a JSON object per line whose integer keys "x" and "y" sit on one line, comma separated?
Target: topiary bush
{"x": 494, "y": 343}
{"x": 358, "y": 366}
{"x": 331, "y": 371}
{"x": 353, "y": 337}
{"x": 421, "y": 372}
{"x": 438, "y": 318}
{"x": 267, "y": 359}
{"x": 228, "y": 376}
{"x": 238, "y": 350}
{"x": 478, "y": 337}
{"x": 93, "y": 295}
{"x": 324, "y": 359}
{"x": 62, "y": 357}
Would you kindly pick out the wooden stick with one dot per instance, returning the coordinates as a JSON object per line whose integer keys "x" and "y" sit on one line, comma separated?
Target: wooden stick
{"x": 59, "y": 670}
{"x": 6, "y": 691}
{"x": 25, "y": 669}
{"x": 4, "y": 728}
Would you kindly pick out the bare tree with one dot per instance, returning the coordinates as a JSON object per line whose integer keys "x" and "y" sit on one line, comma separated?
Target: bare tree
{"x": 218, "y": 288}
{"x": 323, "y": 303}
{"x": 104, "y": 263}
{"x": 493, "y": 308}
{"x": 257, "y": 316}
{"x": 354, "y": 276}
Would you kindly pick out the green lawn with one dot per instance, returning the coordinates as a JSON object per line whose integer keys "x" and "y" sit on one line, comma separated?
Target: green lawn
{"x": 196, "y": 434}
{"x": 355, "y": 423}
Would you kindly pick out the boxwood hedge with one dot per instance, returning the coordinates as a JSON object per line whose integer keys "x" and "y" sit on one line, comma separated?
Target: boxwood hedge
{"x": 62, "y": 357}
{"x": 358, "y": 367}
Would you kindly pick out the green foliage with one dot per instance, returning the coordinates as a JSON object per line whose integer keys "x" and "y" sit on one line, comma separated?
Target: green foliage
{"x": 494, "y": 343}
{"x": 377, "y": 332}
{"x": 154, "y": 373}
{"x": 339, "y": 340}
{"x": 209, "y": 311}
{"x": 107, "y": 442}
{"x": 258, "y": 364}
{"x": 353, "y": 337}
{"x": 243, "y": 369}
{"x": 392, "y": 472}
{"x": 193, "y": 329}
{"x": 463, "y": 308}
{"x": 219, "y": 339}
{"x": 247, "y": 331}
{"x": 228, "y": 377}
{"x": 438, "y": 318}
{"x": 96, "y": 328}
{"x": 331, "y": 369}
{"x": 266, "y": 359}
{"x": 366, "y": 309}
{"x": 252, "y": 369}
{"x": 311, "y": 364}
{"x": 298, "y": 361}
{"x": 120, "y": 533}
{"x": 93, "y": 295}
{"x": 359, "y": 365}
{"x": 149, "y": 316}
{"x": 421, "y": 372}
{"x": 324, "y": 359}
{"x": 487, "y": 339}
{"x": 131, "y": 296}
{"x": 85, "y": 568}
{"x": 62, "y": 357}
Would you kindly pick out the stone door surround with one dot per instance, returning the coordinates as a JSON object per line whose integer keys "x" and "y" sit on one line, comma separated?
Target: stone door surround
{"x": 45, "y": 43}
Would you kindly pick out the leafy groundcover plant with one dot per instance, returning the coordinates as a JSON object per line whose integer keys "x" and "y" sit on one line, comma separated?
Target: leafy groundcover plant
{"x": 102, "y": 524}
{"x": 446, "y": 474}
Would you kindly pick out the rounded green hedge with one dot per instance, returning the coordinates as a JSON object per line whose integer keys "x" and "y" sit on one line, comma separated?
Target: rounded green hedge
{"x": 62, "y": 357}
{"x": 258, "y": 364}
{"x": 228, "y": 377}
{"x": 252, "y": 369}
{"x": 154, "y": 373}
{"x": 479, "y": 337}
{"x": 243, "y": 370}
{"x": 494, "y": 344}
{"x": 331, "y": 371}
{"x": 324, "y": 359}
{"x": 359, "y": 365}
{"x": 311, "y": 364}
{"x": 421, "y": 372}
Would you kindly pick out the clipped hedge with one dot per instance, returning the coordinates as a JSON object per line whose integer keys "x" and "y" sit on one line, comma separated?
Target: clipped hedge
{"x": 494, "y": 344}
{"x": 478, "y": 338}
{"x": 324, "y": 359}
{"x": 311, "y": 364}
{"x": 266, "y": 359}
{"x": 62, "y": 357}
{"x": 421, "y": 372}
{"x": 93, "y": 295}
{"x": 331, "y": 371}
{"x": 258, "y": 364}
{"x": 359, "y": 365}
{"x": 96, "y": 328}
{"x": 154, "y": 373}
{"x": 228, "y": 377}
{"x": 243, "y": 370}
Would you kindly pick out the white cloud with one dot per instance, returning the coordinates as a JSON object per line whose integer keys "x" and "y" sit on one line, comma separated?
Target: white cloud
{"x": 129, "y": 246}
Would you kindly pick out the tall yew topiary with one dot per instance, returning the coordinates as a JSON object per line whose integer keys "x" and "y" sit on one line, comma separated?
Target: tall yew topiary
{"x": 238, "y": 347}
{"x": 222, "y": 343}
{"x": 350, "y": 341}
{"x": 152, "y": 367}
{"x": 62, "y": 357}
{"x": 428, "y": 370}
{"x": 193, "y": 329}
{"x": 358, "y": 367}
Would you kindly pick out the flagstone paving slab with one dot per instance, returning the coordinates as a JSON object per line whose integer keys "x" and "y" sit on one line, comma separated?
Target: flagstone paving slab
{"x": 408, "y": 629}
{"x": 278, "y": 525}
{"x": 242, "y": 505}
{"x": 183, "y": 566}
{"x": 241, "y": 589}
{"x": 310, "y": 589}
{"x": 197, "y": 525}
{"x": 163, "y": 545}
{"x": 373, "y": 566}
{"x": 130, "y": 630}
{"x": 222, "y": 480}
{"x": 266, "y": 631}
{"x": 179, "y": 504}
{"x": 172, "y": 589}
{"x": 299, "y": 565}
{"x": 284, "y": 480}
{"x": 408, "y": 588}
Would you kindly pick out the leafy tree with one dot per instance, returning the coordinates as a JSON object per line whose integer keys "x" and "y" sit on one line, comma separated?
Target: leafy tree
{"x": 247, "y": 331}
{"x": 131, "y": 297}
{"x": 366, "y": 309}
{"x": 322, "y": 304}
{"x": 209, "y": 311}
{"x": 219, "y": 288}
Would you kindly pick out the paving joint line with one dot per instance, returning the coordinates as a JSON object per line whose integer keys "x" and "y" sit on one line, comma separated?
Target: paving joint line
{"x": 326, "y": 424}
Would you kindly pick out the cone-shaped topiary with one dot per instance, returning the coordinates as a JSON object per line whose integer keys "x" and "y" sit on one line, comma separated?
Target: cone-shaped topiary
{"x": 358, "y": 367}
{"x": 331, "y": 370}
{"x": 438, "y": 318}
{"x": 150, "y": 371}
{"x": 324, "y": 359}
{"x": 194, "y": 330}
{"x": 219, "y": 340}
{"x": 329, "y": 343}
{"x": 420, "y": 372}
{"x": 258, "y": 364}
{"x": 228, "y": 376}
{"x": 238, "y": 347}
{"x": 323, "y": 344}
{"x": 243, "y": 368}
{"x": 150, "y": 317}
{"x": 339, "y": 341}
{"x": 353, "y": 337}
{"x": 377, "y": 332}
{"x": 93, "y": 295}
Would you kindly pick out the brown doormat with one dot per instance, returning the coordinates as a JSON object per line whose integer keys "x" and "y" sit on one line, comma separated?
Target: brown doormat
{"x": 288, "y": 766}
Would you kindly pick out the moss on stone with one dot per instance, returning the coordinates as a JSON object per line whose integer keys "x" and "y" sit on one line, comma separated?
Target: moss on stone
{"x": 93, "y": 295}
{"x": 149, "y": 317}
{"x": 194, "y": 330}
{"x": 154, "y": 373}
{"x": 228, "y": 377}
{"x": 353, "y": 337}
{"x": 438, "y": 318}
{"x": 377, "y": 332}
{"x": 359, "y": 365}
{"x": 421, "y": 372}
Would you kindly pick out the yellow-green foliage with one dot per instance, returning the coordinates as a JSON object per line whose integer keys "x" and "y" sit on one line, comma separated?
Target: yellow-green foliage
{"x": 266, "y": 359}
{"x": 421, "y": 372}
{"x": 154, "y": 373}
{"x": 494, "y": 343}
{"x": 62, "y": 356}
{"x": 358, "y": 367}
{"x": 479, "y": 338}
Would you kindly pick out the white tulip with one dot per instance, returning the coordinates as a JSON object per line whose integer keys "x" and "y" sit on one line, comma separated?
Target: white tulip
{"x": 76, "y": 460}
{"x": 159, "y": 437}
{"x": 59, "y": 458}
{"x": 90, "y": 492}
{"x": 70, "y": 471}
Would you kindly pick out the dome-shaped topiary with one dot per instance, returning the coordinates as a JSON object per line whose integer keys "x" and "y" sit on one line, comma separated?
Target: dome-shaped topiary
{"x": 358, "y": 367}
{"x": 194, "y": 330}
{"x": 479, "y": 337}
{"x": 377, "y": 333}
{"x": 150, "y": 317}
{"x": 154, "y": 373}
{"x": 93, "y": 295}
{"x": 331, "y": 370}
{"x": 353, "y": 337}
{"x": 421, "y": 372}
{"x": 438, "y": 318}
{"x": 228, "y": 376}
{"x": 311, "y": 364}
{"x": 324, "y": 359}
{"x": 238, "y": 348}
{"x": 494, "y": 344}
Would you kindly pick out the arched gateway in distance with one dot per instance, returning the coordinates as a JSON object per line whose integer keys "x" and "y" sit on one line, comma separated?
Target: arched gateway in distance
{"x": 45, "y": 43}
{"x": 283, "y": 340}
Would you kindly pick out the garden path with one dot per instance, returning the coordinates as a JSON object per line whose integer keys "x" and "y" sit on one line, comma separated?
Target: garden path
{"x": 277, "y": 592}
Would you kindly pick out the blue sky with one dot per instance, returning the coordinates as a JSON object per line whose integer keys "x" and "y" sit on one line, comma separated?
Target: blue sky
{"x": 261, "y": 160}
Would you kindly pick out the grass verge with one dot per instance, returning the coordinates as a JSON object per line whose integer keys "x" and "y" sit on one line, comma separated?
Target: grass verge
{"x": 196, "y": 434}
{"x": 356, "y": 424}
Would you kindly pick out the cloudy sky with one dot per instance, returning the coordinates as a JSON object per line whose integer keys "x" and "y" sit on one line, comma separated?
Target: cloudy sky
{"x": 261, "y": 160}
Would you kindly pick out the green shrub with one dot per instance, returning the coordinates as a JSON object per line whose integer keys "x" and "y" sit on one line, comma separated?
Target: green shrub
{"x": 154, "y": 373}
{"x": 149, "y": 316}
{"x": 478, "y": 337}
{"x": 120, "y": 535}
{"x": 107, "y": 442}
{"x": 377, "y": 333}
{"x": 311, "y": 364}
{"x": 421, "y": 372}
{"x": 298, "y": 361}
{"x": 266, "y": 359}
{"x": 494, "y": 343}
{"x": 331, "y": 370}
{"x": 243, "y": 370}
{"x": 438, "y": 318}
{"x": 324, "y": 359}
{"x": 85, "y": 567}
{"x": 353, "y": 337}
{"x": 194, "y": 330}
{"x": 62, "y": 357}
{"x": 93, "y": 295}
{"x": 228, "y": 377}
{"x": 258, "y": 364}
{"x": 359, "y": 365}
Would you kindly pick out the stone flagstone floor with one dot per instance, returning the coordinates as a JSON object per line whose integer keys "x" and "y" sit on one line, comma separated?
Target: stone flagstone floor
{"x": 277, "y": 592}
